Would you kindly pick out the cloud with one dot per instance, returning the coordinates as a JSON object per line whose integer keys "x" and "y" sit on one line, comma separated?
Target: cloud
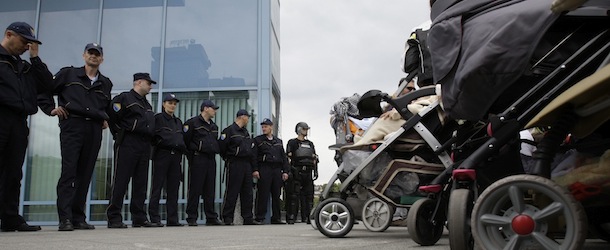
{"x": 333, "y": 49}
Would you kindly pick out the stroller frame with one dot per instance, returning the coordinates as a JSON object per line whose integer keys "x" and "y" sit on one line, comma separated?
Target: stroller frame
{"x": 412, "y": 121}
{"x": 459, "y": 182}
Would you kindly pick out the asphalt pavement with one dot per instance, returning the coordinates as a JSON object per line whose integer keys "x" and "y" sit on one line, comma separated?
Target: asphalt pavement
{"x": 297, "y": 236}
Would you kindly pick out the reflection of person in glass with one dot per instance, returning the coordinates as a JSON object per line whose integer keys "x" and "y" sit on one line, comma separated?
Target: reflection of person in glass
{"x": 83, "y": 94}
{"x": 201, "y": 138}
{"x": 168, "y": 146}
{"x": 299, "y": 187}
{"x": 132, "y": 124}
{"x": 271, "y": 171}
{"x": 20, "y": 82}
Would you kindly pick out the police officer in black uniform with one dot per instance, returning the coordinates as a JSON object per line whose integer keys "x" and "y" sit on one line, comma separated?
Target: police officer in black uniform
{"x": 83, "y": 95}
{"x": 20, "y": 82}
{"x": 132, "y": 122}
{"x": 236, "y": 148}
{"x": 168, "y": 146}
{"x": 304, "y": 161}
{"x": 271, "y": 171}
{"x": 201, "y": 138}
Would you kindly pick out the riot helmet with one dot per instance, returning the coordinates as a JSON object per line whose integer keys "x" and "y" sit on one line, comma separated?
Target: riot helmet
{"x": 301, "y": 128}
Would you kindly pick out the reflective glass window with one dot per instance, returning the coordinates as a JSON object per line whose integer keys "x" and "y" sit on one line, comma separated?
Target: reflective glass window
{"x": 131, "y": 30}
{"x": 210, "y": 43}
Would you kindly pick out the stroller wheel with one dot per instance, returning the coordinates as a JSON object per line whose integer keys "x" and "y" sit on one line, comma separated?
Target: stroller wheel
{"x": 526, "y": 211}
{"x": 423, "y": 228}
{"x": 312, "y": 218}
{"x": 334, "y": 217}
{"x": 461, "y": 202}
{"x": 377, "y": 215}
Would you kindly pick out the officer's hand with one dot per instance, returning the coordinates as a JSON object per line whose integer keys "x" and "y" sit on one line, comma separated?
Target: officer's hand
{"x": 33, "y": 49}
{"x": 315, "y": 176}
{"x": 256, "y": 175}
{"x": 284, "y": 176}
{"x": 105, "y": 124}
{"x": 60, "y": 111}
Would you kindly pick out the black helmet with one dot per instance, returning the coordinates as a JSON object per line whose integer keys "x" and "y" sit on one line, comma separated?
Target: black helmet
{"x": 300, "y": 125}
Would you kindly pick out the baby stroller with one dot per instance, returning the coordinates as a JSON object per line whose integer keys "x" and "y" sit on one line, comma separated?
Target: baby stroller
{"x": 378, "y": 177}
{"x": 567, "y": 52}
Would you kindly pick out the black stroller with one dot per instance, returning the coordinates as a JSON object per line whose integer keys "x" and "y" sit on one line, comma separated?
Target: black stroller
{"x": 481, "y": 54}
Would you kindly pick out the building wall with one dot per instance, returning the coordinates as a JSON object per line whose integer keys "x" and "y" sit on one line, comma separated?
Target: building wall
{"x": 227, "y": 51}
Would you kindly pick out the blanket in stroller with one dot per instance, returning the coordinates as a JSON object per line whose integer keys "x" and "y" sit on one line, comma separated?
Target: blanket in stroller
{"x": 480, "y": 47}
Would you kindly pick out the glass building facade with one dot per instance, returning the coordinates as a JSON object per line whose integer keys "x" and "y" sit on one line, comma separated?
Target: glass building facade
{"x": 224, "y": 50}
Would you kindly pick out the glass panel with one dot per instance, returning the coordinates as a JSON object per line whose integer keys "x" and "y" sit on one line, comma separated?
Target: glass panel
{"x": 63, "y": 38}
{"x": 18, "y": 11}
{"x": 40, "y": 213}
{"x": 210, "y": 43}
{"x": 130, "y": 32}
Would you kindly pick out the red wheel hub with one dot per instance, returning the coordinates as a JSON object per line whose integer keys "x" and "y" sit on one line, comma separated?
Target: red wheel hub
{"x": 523, "y": 224}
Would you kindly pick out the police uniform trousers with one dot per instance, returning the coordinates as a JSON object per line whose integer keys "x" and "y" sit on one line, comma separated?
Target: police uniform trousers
{"x": 167, "y": 172}
{"x": 80, "y": 140}
{"x": 306, "y": 195}
{"x": 131, "y": 162}
{"x": 202, "y": 183}
{"x": 13, "y": 143}
{"x": 299, "y": 190}
{"x": 270, "y": 183}
{"x": 239, "y": 183}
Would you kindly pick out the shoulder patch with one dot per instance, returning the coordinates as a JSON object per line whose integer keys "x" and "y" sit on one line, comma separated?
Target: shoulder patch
{"x": 223, "y": 136}
{"x": 185, "y": 128}
{"x": 116, "y": 107}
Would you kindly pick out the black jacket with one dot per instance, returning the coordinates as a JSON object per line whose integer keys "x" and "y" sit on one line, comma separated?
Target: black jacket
{"x": 201, "y": 136}
{"x": 235, "y": 143}
{"x": 168, "y": 132}
{"x": 77, "y": 94}
{"x": 131, "y": 112}
{"x": 20, "y": 83}
{"x": 270, "y": 152}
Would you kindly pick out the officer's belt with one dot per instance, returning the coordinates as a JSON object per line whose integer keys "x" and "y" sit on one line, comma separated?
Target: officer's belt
{"x": 138, "y": 134}
{"x": 303, "y": 168}
{"x": 172, "y": 150}
{"x": 209, "y": 155}
{"x": 82, "y": 117}
{"x": 273, "y": 165}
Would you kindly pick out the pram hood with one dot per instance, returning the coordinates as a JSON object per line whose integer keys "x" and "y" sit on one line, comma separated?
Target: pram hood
{"x": 592, "y": 90}
{"x": 480, "y": 47}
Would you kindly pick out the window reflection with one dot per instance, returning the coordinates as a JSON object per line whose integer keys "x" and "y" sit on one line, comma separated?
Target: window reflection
{"x": 130, "y": 31}
{"x": 210, "y": 43}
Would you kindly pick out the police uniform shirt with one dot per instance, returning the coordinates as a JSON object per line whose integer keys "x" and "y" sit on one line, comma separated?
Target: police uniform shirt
{"x": 235, "y": 142}
{"x": 201, "y": 136}
{"x": 131, "y": 112}
{"x": 78, "y": 94}
{"x": 302, "y": 152}
{"x": 20, "y": 82}
{"x": 168, "y": 132}
{"x": 270, "y": 151}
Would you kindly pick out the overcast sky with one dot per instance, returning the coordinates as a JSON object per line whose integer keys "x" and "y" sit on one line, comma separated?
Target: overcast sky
{"x": 335, "y": 48}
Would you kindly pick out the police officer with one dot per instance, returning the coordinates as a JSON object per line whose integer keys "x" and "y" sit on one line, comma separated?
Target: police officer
{"x": 132, "y": 123}
{"x": 201, "y": 138}
{"x": 236, "y": 148}
{"x": 271, "y": 171}
{"x": 168, "y": 146}
{"x": 20, "y": 82}
{"x": 83, "y": 95}
{"x": 303, "y": 160}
